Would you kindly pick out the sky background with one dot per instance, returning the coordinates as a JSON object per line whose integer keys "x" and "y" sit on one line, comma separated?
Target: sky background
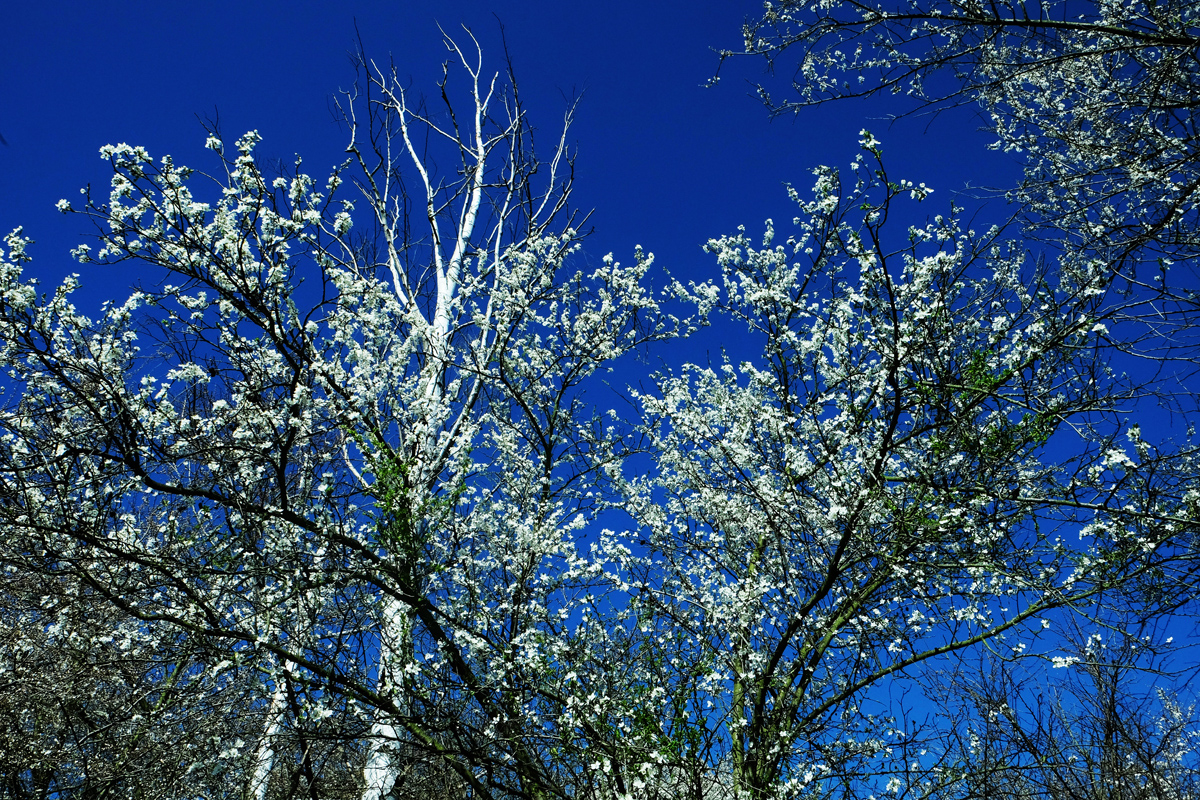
{"x": 662, "y": 161}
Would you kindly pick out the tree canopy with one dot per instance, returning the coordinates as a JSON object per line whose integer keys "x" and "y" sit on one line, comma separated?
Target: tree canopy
{"x": 330, "y": 506}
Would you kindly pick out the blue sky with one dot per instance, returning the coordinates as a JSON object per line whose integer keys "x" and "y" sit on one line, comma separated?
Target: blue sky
{"x": 662, "y": 161}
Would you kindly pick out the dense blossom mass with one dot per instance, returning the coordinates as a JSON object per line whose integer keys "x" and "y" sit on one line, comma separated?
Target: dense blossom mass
{"x": 332, "y": 510}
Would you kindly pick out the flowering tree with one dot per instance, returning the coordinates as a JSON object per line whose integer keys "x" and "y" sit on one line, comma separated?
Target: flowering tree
{"x": 355, "y": 467}
{"x": 923, "y": 458}
{"x": 1098, "y": 100}
{"x": 343, "y": 483}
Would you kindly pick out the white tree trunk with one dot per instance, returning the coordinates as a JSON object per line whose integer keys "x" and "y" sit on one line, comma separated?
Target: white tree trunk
{"x": 395, "y": 647}
{"x": 381, "y": 771}
{"x": 264, "y": 758}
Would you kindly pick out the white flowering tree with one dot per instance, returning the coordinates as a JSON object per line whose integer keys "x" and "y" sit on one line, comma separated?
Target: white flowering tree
{"x": 926, "y": 456}
{"x": 1096, "y": 98}
{"x": 334, "y": 484}
{"x": 352, "y": 464}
